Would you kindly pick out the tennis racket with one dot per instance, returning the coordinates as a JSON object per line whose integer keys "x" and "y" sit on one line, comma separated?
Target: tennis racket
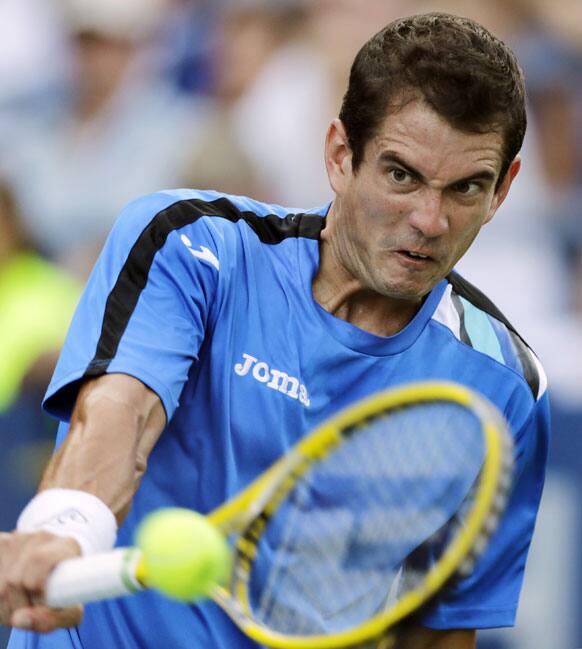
{"x": 358, "y": 526}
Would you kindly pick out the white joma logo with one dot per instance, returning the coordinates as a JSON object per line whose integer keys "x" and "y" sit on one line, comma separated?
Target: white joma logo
{"x": 205, "y": 254}
{"x": 272, "y": 378}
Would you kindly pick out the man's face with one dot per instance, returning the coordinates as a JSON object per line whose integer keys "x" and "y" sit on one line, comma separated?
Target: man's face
{"x": 416, "y": 203}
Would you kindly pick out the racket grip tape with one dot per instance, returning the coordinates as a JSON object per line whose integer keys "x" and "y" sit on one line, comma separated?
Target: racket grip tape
{"x": 92, "y": 578}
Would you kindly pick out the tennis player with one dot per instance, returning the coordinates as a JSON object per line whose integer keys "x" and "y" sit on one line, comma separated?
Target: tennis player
{"x": 216, "y": 330}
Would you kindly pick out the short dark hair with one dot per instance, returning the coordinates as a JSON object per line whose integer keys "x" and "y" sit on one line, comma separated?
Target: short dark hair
{"x": 461, "y": 70}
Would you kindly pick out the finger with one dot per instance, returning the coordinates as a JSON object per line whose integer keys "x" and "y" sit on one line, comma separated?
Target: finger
{"x": 32, "y": 558}
{"x": 43, "y": 619}
{"x": 25, "y": 575}
{"x": 11, "y": 594}
{"x": 15, "y": 597}
{"x": 47, "y": 550}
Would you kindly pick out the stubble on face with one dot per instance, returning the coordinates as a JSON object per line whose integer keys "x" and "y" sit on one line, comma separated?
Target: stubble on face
{"x": 412, "y": 209}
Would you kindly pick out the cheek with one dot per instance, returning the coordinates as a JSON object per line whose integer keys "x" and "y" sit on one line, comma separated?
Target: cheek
{"x": 379, "y": 212}
{"x": 466, "y": 232}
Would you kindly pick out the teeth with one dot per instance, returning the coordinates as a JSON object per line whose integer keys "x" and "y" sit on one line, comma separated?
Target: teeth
{"x": 415, "y": 254}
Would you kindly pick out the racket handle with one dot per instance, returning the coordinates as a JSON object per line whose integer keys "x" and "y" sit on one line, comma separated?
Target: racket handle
{"x": 95, "y": 577}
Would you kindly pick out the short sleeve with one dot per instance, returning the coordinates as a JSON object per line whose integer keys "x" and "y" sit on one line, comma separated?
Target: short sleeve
{"x": 489, "y": 597}
{"x": 145, "y": 308}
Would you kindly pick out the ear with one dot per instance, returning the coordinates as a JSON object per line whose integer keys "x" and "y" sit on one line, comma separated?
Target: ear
{"x": 338, "y": 156}
{"x": 503, "y": 189}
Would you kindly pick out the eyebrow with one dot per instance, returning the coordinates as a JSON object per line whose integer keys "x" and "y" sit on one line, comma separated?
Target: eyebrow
{"x": 392, "y": 156}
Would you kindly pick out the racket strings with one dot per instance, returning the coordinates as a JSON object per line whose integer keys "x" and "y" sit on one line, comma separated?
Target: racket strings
{"x": 363, "y": 526}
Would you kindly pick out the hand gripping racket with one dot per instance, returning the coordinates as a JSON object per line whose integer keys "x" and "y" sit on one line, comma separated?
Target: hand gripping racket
{"x": 354, "y": 529}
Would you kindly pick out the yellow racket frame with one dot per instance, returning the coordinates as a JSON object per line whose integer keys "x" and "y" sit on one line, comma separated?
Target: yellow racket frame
{"x": 235, "y": 515}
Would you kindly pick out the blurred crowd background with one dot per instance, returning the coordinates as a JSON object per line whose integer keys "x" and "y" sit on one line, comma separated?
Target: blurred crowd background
{"x": 104, "y": 100}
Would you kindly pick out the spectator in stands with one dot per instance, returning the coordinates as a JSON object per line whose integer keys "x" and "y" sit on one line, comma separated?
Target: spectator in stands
{"x": 123, "y": 130}
{"x": 37, "y": 301}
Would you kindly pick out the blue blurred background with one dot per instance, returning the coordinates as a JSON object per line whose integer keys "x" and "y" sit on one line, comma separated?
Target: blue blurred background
{"x": 103, "y": 100}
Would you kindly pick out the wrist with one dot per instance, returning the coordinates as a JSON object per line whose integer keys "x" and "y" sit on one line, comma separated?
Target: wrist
{"x": 71, "y": 513}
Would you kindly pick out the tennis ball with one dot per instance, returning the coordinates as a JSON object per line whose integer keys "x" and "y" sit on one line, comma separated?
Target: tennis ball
{"x": 184, "y": 555}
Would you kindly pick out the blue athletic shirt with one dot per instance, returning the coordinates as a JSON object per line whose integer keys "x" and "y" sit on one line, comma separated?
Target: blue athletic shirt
{"x": 206, "y": 298}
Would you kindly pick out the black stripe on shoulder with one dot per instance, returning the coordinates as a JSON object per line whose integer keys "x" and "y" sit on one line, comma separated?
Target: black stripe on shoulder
{"x": 524, "y": 352}
{"x": 132, "y": 279}
{"x": 272, "y": 229}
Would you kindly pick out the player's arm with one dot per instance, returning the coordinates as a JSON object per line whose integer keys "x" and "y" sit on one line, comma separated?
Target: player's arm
{"x": 115, "y": 423}
{"x": 419, "y": 637}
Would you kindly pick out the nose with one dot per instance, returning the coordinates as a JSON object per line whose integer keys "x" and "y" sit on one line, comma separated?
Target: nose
{"x": 429, "y": 215}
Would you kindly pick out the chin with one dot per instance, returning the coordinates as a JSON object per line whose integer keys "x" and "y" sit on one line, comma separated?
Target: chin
{"x": 406, "y": 293}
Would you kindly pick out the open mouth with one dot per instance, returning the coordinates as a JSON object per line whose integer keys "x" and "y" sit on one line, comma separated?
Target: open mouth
{"x": 416, "y": 256}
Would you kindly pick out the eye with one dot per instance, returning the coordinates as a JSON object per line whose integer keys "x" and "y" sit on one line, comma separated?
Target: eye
{"x": 468, "y": 187}
{"x": 400, "y": 176}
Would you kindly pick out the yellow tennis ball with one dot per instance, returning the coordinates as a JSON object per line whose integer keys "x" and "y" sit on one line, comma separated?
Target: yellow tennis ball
{"x": 184, "y": 555}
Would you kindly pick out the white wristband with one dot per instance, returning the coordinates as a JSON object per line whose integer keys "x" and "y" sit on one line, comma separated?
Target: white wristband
{"x": 69, "y": 512}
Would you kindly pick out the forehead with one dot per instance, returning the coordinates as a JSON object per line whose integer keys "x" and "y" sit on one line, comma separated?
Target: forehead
{"x": 427, "y": 141}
